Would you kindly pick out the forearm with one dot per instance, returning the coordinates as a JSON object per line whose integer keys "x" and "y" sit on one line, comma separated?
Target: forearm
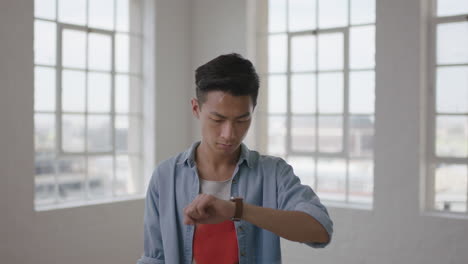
{"x": 292, "y": 225}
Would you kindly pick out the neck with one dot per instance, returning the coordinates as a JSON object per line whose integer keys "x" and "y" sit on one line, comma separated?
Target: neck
{"x": 215, "y": 161}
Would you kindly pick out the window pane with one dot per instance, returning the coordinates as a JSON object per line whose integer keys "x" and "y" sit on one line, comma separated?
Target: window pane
{"x": 44, "y": 132}
{"x": 73, "y": 91}
{"x": 74, "y": 49}
{"x": 303, "y": 53}
{"x": 44, "y": 89}
{"x": 70, "y": 176}
{"x": 99, "y": 133}
{"x": 121, "y": 133}
{"x": 44, "y": 164}
{"x": 99, "y": 92}
{"x": 100, "y": 171}
{"x": 277, "y": 135}
{"x": 331, "y": 179}
{"x": 44, "y": 180}
{"x": 72, "y": 11}
{"x": 127, "y": 134}
{"x": 333, "y": 13}
{"x": 277, "y": 94}
{"x": 44, "y": 42}
{"x": 450, "y": 188}
{"x": 73, "y": 129}
{"x": 330, "y": 93}
{"x": 452, "y": 136}
{"x": 362, "y": 11}
{"x": 303, "y": 93}
{"x": 277, "y": 53}
{"x": 362, "y": 92}
{"x": 303, "y": 133}
{"x": 123, "y": 14}
{"x": 304, "y": 168}
{"x": 122, "y": 53}
{"x": 101, "y": 14}
{"x": 361, "y": 181}
{"x": 362, "y": 47}
{"x": 452, "y": 89}
{"x": 44, "y": 9}
{"x": 277, "y": 15}
{"x": 122, "y": 93}
{"x": 99, "y": 52}
{"x": 127, "y": 94}
{"x": 127, "y": 54}
{"x": 361, "y": 136}
{"x": 127, "y": 175}
{"x": 452, "y": 43}
{"x": 330, "y": 51}
{"x": 330, "y": 133}
{"x": 451, "y": 7}
{"x": 302, "y": 15}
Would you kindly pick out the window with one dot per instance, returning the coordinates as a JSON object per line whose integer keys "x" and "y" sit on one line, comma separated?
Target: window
{"x": 88, "y": 100}
{"x": 319, "y": 81}
{"x": 448, "y": 140}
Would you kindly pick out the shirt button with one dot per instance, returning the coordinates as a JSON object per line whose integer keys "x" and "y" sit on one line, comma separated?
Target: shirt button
{"x": 243, "y": 253}
{"x": 241, "y": 229}
{"x": 234, "y": 181}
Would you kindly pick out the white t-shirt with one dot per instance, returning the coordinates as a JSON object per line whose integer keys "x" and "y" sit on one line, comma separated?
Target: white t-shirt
{"x": 219, "y": 189}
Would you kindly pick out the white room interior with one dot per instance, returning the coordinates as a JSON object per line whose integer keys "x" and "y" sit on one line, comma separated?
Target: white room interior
{"x": 185, "y": 34}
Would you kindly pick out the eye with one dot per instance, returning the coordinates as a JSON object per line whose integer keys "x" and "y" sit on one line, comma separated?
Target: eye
{"x": 217, "y": 120}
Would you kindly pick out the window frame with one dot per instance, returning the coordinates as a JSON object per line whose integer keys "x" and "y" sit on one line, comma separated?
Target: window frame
{"x": 431, "y": 154}
{"x": 261, "y": 55}
{"x": 58, "y": 152}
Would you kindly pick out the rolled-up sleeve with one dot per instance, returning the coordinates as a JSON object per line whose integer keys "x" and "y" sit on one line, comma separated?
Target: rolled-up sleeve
{"x": 294, "y": 196}
{"x": 153, "y": 245}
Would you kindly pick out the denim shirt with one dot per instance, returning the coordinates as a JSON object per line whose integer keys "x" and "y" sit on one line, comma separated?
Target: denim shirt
{"x": 261, "y": 180}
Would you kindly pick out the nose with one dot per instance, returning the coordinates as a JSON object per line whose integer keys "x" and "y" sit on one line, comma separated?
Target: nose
{"x": 227, "y": 131}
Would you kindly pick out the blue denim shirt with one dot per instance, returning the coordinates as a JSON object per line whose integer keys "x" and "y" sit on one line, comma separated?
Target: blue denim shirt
{"x": 261, "y": 180}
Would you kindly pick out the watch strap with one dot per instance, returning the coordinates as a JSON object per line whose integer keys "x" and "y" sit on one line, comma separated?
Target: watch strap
{"x": 239, "y": 208}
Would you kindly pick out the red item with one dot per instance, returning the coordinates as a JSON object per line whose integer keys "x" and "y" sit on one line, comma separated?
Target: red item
{"x": 216, "y": 244}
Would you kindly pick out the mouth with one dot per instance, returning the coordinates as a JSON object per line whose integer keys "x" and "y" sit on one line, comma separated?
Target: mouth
{"x": 223, "y": 145}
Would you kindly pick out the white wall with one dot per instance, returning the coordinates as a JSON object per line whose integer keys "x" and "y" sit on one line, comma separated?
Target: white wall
{"x": 173, "y": 82}
{"x": 107, "y": 233}
{"x": 217, "y": 27}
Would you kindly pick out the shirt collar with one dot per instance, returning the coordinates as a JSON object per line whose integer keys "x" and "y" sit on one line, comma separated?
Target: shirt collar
{"x": 245, "y": 155}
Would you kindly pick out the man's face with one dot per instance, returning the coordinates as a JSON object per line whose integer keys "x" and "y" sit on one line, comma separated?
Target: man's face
{"x": 225, "y": 120}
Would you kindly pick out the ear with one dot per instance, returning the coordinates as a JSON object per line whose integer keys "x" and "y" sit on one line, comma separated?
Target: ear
{"x": 195, "y": 108}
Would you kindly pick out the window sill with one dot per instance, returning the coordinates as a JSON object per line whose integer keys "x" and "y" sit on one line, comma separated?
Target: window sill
{"x": 343, "y": 205}
{"x": 75, "y": 204}
{"x": 448, "y": 215}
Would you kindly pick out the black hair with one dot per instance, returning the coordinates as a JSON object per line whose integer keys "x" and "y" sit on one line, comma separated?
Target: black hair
{"x": 229, "y": 73}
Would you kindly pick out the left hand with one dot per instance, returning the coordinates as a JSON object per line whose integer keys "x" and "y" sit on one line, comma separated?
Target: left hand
{"x": 207, "y": 209}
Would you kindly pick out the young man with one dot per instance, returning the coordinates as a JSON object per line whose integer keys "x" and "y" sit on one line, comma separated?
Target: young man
{"x": 219, "y": 202}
